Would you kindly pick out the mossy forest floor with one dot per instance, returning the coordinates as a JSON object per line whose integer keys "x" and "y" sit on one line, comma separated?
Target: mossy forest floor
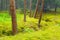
{"x": 50, "y": 27}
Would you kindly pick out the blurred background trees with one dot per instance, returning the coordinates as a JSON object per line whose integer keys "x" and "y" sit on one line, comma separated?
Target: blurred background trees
{"x": 49, "y": 4}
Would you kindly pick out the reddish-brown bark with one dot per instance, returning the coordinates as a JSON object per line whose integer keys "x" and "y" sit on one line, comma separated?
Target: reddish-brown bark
{"x": 41, "y": 13}
{"x": 30, "y": 8}
{"x": 24, "y": 10}
{"x": 36, "y": 10}
{"x": 13, "y": 16}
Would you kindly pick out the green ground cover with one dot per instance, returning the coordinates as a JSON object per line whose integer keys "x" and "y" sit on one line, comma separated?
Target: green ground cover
{"x": 50, "y": 27}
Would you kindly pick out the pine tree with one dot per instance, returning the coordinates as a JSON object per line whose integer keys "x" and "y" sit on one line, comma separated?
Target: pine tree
{"x": 13, "y": 16}
{"x": 36, "y": 10}
{"x": 24, "y": 10}
{"x": 30, "y": 8}
{"x": 41, "y": 13}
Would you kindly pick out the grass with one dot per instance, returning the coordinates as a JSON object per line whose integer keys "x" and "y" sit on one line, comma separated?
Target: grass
{"x": 50, "y": 27}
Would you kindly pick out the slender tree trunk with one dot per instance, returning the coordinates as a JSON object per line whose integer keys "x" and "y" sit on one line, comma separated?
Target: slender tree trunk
{"x": 41, "y": 13}
{"x": 30, "y": 8}
{"x": 36, "y": 10}
{"x": 24, "y": 10}
{"x": 55, "y": 7}
{"x": 6, "y": 4}
{"x": 1, "y": 6}
{"x": 13, "y": 15}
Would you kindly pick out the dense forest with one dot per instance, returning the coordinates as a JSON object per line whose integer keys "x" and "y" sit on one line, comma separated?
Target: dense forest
{"x": 29, "y": 19}
{"x": 4, "y": 4}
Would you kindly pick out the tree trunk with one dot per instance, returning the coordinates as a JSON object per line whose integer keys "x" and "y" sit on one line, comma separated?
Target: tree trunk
{"x": 36, "y": 10}
{"x": 1, "y": 6}
{"x": 30, "y": 8}
{"x": 56, "y": 8}
{"x": 13, "y": 15}
{"x": 24, "y": 10}
{"x": 41, "y": 13}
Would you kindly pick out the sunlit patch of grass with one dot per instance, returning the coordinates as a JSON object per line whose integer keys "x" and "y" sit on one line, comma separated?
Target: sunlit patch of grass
{"x": 50, "y": 29}
{"x": 47, "y": 34}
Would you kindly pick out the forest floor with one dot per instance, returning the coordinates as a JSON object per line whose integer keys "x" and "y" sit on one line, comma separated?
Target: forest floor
{"x": 50, "y": 27}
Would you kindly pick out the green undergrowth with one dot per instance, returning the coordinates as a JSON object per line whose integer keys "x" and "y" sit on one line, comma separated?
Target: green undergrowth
{"x": 50, "y": 27}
